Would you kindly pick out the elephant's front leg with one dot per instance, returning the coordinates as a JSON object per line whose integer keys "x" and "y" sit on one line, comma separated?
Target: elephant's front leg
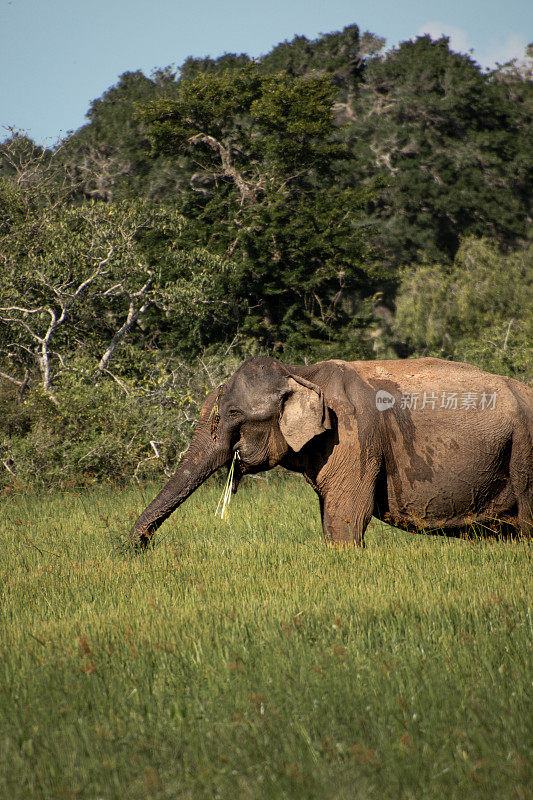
{"x": 346, "y": 513}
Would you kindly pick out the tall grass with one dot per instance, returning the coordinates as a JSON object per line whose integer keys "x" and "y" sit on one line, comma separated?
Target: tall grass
{"x": 243, "y": 658}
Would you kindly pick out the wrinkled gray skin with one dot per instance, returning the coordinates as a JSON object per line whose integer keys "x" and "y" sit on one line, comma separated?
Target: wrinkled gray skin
{"x": 425, "y": 469}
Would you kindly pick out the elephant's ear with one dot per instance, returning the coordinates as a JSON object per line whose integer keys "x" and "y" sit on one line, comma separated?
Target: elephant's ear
{"x": 304, "y": 414}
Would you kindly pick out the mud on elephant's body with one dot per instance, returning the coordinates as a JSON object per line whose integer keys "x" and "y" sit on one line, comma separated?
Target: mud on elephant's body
{"x": 424, "y": 444}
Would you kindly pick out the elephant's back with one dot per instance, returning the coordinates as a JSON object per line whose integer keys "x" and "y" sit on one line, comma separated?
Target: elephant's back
{"x": 419, "y": 368}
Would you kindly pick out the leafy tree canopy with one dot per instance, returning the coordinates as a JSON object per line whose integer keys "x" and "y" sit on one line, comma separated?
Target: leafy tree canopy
{"x": 449, "y": 140}
{"x": 268, "y": 154}
{"x": 478, "y": 309}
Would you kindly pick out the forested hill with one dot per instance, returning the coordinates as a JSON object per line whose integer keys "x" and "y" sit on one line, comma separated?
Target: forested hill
{"x": 329, "y": 199}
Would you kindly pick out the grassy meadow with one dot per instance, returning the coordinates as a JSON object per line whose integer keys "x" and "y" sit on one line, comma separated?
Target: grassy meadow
{"x": 244, "y": 659}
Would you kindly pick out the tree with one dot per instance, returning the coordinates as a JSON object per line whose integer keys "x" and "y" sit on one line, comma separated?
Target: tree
{"x": 446, "y": 138}
{"x": 88, "y": 292}
{"x": 341, "y": 55}
{"x": 107, "y": 159}
{"x": 267, "y": 155}
{"x": 479, "y": 309}
{"x": 77, "y": 280}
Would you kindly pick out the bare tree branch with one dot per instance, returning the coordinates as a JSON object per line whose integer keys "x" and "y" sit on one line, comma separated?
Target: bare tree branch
{"x": 507, "y": 334}
{"x": 11, "y": 379}
{"x": 247, "y": 191}
{"x": 156, "y": 457}
{"x": 131, "y": 319}
{"x": 65, "y": 301}
{"x": 120, "y": 383}
{"x": 7, "y": 465}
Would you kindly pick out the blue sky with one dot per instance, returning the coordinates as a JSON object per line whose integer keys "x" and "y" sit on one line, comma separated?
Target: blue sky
{"x": 58, "y": 55}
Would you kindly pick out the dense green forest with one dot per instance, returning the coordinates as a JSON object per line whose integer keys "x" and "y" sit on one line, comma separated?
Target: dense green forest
{"x": 330, "y": 199}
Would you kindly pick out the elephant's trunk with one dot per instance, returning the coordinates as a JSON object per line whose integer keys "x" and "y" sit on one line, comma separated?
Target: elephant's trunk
{"x": 205, "y": 455}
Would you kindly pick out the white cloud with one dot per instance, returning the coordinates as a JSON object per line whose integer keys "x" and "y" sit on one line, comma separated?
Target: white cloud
{"x": 458, "y": 37}
{"x": 512, "y": 47}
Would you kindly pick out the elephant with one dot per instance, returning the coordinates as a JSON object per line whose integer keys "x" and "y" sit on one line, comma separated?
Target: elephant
{"x": 424, "y": 444}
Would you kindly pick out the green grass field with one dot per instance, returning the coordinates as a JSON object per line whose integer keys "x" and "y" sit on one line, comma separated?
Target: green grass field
{"x": 245, "y": 659}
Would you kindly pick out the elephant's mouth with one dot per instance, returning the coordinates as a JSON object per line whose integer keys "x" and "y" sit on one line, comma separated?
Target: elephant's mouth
{"x": 238, "y": 472}
{"x": 242, "y": 468}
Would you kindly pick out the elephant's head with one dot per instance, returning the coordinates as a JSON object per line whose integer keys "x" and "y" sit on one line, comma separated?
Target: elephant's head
{"x": 264, "y": 411}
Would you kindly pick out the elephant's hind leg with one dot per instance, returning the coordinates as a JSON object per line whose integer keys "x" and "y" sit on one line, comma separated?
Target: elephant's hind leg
{"x": 521, "y": 472}
{"x": 525, "y": 514}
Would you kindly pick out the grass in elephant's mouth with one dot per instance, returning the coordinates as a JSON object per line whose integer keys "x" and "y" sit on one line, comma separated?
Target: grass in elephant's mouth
{"x": 245, "y": 659}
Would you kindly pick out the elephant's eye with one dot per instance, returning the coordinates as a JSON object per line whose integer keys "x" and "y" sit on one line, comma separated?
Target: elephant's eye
{"x": 234, "y": 412}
